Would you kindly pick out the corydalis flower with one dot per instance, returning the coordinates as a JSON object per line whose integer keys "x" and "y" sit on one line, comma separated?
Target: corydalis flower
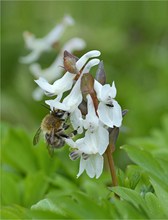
{"x": 71, "y": 102}
{"x": 54, "y": 71}
{"x": 91, "y": 148}
{"x": 109, "y": 110}
{"x": 65, "y": 83}
{"x": 40, "y": 45}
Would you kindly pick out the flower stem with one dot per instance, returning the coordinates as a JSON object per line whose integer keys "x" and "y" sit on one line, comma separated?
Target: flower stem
{"x": 111, "y": 165}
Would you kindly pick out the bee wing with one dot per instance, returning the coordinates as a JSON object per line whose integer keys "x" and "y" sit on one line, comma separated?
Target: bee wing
{"x": 36, "y": 136}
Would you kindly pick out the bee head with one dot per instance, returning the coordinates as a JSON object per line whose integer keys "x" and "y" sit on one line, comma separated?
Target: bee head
{"x": 60, "y": 113}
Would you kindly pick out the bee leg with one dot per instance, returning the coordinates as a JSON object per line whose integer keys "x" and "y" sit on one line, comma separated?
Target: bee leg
{"x": 47, "y": 137}
{"x": 59, "y": 130}
{"x": 63, "y": 135}
{"x": 65, "y": 126}
{"x": 52, "y": 137}
{"x": 73, "y": 133}
{"x": 62, "y": 143}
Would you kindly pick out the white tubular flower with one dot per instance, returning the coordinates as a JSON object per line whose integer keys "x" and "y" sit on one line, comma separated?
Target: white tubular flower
{"x": 91, "y": 148}
{"x": 65, "y": 83}
{"x": 109, "y": 110}
{"x": 59, "y": 86}
{"x": 72, "y": 101}
{"x": 96, "y": 137}
{"x": 40, "y": 45}
{"x": 55, "y": 71}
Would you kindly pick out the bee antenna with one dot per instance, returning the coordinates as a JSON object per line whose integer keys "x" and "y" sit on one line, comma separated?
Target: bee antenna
{"x": 45, "y": 106}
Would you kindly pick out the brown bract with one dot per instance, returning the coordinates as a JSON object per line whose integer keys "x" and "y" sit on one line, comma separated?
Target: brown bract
{"x": 87, "y": 87}
{"x": 70, "y": 62}
{"x": 100, "y": 74}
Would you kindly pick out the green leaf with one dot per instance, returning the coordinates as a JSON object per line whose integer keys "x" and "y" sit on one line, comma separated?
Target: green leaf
{"x": 76, "y": 205}
{"x": 10, "y": 188}
{"x": 15, "y": 212}
{"x": 46, "y": 207}
{"x": 44, "y": 161}
{"x": 129, "y": 195}
{"x": 62, "y": 183}
{"x": 127, "y": 211}
{"x": 162, "y": 195}
{"x": 18, "y": 152}
{"x": 147, "y": 161}
{"x": 34, "y": 187}
{"x": 133, "y": 174}
{"x": 155, "y": 209}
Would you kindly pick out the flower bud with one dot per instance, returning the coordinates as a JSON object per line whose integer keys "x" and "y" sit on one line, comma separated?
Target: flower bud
{"x": 100, "y": 74}
{"x": 83, "y": 107}
{"x": 70, "y": 62}
{"x": 87, "y": 84}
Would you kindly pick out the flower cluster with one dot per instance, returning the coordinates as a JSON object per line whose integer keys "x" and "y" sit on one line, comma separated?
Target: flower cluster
{"x": 92, "y": 107}
{"x": 89, "y": 102}
{"x": 37, "y": 46}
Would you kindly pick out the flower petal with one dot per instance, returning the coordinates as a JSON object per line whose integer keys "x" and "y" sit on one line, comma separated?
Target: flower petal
{"x": 55, "y": 34}
{"x": 53, "y": 103}
{"x": 44, "y": 85}
{"x": 63, "y": 84}
{"x": 91, "y": 120}
{"x": 54, "y": 71}
{"x": 82, "y": 166}
{"x": 75, "y": 97}
{"x": 33, "y": 56}
{"x": 90, "y": 166}
{"x": 102, "y": 139}
{"x": 110, "y": 116}
{"x": 94, "y": 165}
{"x": 38, "y": 94}
{"x": 113, "y": 90}
{"x": 82, "y": 61}
{"x": 88, "y": 144}
{"x": 74, "y": 44}
{"x": 117, "y": 114}
{"x": 77, "y": 120}
{"x": 98, "y": 89}
{"x": 99, "y": 160}
{"x": 70, "y": 142}
{"x": 105, "y": 92}
{"x": 90, "y": 64}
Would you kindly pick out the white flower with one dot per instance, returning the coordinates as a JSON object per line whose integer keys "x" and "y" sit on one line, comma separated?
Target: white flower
{"x": 65, "y": 83}
{"x": 59, "y": 86}
{"x": 54, "y": 71}
{"x": 39, "y": 45}
{"x": 72, "y": 101}
{"x": 91, "y": 148}
{"x": 109, "y": 110}
{"x": 96, "y": 137}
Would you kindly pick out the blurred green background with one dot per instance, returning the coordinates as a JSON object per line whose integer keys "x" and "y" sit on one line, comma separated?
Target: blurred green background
{"x": 132, "y": 37}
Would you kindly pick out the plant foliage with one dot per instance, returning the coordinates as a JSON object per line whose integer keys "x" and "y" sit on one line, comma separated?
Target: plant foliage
{"x": 37, "y": 186}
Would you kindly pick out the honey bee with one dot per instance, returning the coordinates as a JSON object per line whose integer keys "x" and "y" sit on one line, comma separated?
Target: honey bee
{"x": 53, "y": 127}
